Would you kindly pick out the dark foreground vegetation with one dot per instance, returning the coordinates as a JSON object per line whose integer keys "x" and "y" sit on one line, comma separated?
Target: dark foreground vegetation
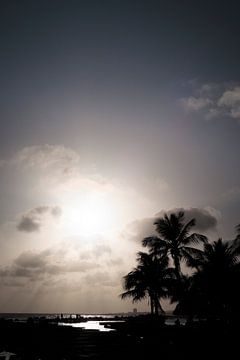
{"x": 138, "y": 338}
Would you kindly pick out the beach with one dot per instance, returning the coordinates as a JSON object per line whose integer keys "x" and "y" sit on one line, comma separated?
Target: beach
{"x": 137, "y": 338}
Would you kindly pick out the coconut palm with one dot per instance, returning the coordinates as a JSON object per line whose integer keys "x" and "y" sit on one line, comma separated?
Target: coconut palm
{"x": 213, "y": 288}
{"x": 176, "y": 238}
{"x": 150, "y": 279}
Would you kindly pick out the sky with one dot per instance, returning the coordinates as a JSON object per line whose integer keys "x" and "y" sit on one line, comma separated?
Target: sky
{"x": 112, "y": 113}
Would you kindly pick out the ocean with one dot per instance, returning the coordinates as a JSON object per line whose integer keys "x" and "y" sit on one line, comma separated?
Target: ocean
{"x": 90, "y": 322}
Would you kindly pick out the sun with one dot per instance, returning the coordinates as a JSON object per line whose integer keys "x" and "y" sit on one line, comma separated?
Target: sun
{"x": 89, "y": 208}
{"x": 89, "y": 213}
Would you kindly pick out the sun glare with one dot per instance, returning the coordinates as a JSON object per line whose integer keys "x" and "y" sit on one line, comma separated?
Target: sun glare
{"x": 89, "y": 214}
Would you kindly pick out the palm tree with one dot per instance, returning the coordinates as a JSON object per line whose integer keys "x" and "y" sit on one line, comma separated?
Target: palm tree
{"x": 213, "y": 288}
{"x": 150, "y": 279}
{"x": 175, "y": 239}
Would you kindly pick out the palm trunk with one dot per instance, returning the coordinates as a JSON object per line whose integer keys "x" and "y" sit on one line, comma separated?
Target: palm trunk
{"x": 156, "y": 305}
{"x": 177, "y": 267}
{"x": 152, "y": 305}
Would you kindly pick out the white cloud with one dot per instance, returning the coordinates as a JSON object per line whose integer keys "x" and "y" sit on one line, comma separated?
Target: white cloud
{"x": 215, "y": 100}
{"x": 230, "y": 97}
{"x": 46, "y": 156}
{"x": 230, "y": 100}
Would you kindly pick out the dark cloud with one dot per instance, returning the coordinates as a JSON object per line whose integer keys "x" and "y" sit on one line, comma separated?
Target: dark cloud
{"x": 34, "y": 219}
{"x": 28, "y": 224}
{"x": 52, "y": 261}
{"x": 32, "y": 260}
{"x": 206, "y": 220}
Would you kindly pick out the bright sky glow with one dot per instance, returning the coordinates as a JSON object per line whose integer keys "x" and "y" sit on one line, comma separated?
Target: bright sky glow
{"x": 89, "y": 214}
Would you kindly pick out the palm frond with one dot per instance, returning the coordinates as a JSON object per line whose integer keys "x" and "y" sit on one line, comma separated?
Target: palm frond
{"x": 150, "y": 241}
{"x": 195, "y": 238}
{"x": 169, "y": 227}
{"x": 135, "y": 295}
{"x": 192, "y": 256}
{"x": 186, "y": 230}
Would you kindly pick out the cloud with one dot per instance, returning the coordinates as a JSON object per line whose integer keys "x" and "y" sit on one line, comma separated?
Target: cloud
{"x": 230, "y": 100}
{"x": 235, "y": 113}
{"x": 207, "y": 88}
{"x": 32, "y": 260}
{"x": 53, "y": 166}
{"x": 50, "y": 262}
{"x": 139, "y": 229}
{"x": 216, "y": 100}
{"x": 101, "y": 249}
{"x": 193, "y": 104}
{"x": 230, "y": 97}
{"x": 34, "y": 219}
{"x": 206, "y": 220}
{"x": 64, "y": 262}
{"x": 48, "y": 156}
{"x": 28, "y": 225}
{"x": 212, "y": 114}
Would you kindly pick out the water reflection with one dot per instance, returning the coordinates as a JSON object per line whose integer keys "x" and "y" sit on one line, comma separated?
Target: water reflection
{"x": 90, "y": 325}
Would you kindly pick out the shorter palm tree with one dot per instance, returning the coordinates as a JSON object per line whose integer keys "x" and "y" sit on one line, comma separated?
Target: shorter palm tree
{"x": 150, "y": 279}
{"x": 213, "y": 288}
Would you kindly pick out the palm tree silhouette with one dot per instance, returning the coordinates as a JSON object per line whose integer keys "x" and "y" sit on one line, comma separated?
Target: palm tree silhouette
{"x": 175, "y": 239}
{"x": 212, "y": 289}
{"x": 150, "y": 279}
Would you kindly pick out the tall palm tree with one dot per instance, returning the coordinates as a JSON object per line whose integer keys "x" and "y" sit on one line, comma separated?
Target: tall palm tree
{"x": 150, "y": 279}
{"x": 176, "y": 238}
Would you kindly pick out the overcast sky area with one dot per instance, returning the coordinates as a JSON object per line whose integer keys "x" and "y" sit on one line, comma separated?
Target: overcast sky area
{"x": 112, "y": 113}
